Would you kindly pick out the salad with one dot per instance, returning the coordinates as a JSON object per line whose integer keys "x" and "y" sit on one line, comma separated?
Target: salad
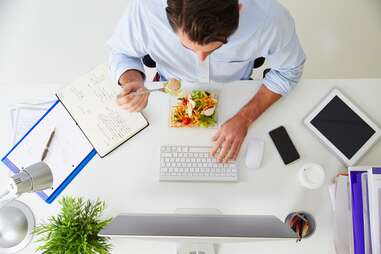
{"x": 195, "y": 109}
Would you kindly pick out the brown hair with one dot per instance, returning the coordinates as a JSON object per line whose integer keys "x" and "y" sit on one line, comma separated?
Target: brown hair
{"x": 204, "y": 21}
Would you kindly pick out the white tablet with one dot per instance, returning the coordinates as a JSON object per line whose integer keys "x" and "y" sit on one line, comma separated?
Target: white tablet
{"x": 343, "y": 127}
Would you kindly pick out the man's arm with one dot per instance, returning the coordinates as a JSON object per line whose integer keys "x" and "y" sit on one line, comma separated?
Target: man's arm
{"x": 230, "y": 136}
{"x": 280, "y": 45}
{"x": 262, "y": 100}
{"x": 128, "y": 46}
{"x": 282, "y": 50}
{"x": 128, "y": 42}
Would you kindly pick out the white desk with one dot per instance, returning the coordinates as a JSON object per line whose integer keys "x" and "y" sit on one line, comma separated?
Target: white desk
{"x": 127, "y": 179}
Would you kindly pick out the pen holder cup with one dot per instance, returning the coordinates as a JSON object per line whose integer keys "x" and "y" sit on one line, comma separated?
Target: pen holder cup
{"x": 301, "y": 217}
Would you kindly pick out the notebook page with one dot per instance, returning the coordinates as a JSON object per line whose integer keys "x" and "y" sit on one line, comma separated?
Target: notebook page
{"x": 91, "y": 100}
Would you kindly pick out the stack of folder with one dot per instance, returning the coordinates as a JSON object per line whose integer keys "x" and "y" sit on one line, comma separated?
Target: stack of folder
{"x": 365, "y": 206}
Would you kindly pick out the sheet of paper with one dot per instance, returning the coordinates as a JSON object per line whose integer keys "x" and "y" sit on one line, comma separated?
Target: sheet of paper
{"x": 366, "y": 214}
{"x": 332, "y": 195}
{"x": 342, "y": 217}
{"x": 374, "y": 180}
{"x": 68, "y": 147}
{"x": 91, "y": 100}
{"x": 25, "y": 116}
{"x": 12, "y": 112}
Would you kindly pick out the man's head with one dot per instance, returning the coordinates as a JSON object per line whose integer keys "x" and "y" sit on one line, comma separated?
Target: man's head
{"x": 203, "y": 25}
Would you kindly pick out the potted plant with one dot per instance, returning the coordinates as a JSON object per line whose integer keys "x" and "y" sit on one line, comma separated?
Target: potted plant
{"x": 75, "y": 230}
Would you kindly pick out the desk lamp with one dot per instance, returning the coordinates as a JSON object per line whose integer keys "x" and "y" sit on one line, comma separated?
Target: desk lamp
{"x": 16, "y": 218}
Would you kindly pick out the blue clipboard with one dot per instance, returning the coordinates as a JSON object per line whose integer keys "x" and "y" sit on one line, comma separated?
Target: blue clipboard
{"x": 72, "y": 173}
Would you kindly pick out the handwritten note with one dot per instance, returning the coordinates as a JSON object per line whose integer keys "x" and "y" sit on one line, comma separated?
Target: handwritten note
{"x": 91, "y": 100}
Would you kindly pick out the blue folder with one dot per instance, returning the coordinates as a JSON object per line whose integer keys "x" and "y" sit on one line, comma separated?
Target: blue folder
{"x": 357, "y": 211}
{"x": 49, "y": 199}
{"x": 362, "y": 223}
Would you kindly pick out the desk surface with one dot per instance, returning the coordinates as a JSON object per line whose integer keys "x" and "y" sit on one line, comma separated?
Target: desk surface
{"x": 128, "y": 182}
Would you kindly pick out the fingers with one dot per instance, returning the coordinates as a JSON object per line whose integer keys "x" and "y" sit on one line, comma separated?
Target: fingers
{"x": 232, "y": 151}
{"x": 133, "y": 103}
{"x": 124, "y": 99}
{"x": 229, "y": 139}
{"x": 229, "y": 149}
{"x": 216, "y": 136}
{"x": 224, "y": 151}
{"x": 140, "y": 104}
{"x": 235, "y": 155}
{"x": 216, "y": 146}
{"x": 132, "y": 86}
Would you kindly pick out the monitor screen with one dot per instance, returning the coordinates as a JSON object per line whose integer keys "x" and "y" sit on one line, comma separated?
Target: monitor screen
{"x": 347, "y": 131}
{"x": 174, "y": 225}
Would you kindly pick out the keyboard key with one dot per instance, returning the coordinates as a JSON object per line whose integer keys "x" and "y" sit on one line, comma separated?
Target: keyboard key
{"x": 199, "y": 149}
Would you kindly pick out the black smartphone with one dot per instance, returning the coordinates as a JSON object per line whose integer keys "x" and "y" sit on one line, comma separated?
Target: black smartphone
{"x": 284, "y": 145}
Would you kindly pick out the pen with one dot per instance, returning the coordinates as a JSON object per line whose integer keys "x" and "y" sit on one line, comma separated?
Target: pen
{"x": 46, "y": 150}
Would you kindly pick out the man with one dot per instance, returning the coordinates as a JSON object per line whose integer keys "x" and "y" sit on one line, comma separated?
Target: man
{"x": 216, "y": 39}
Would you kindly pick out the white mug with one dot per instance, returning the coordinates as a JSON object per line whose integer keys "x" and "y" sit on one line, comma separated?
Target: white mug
{"x": 312, "y": 175}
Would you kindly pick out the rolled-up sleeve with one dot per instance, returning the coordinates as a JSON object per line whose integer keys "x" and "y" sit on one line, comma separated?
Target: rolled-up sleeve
{"x": 283, "y": 52}
{"x": 127, "y": 44}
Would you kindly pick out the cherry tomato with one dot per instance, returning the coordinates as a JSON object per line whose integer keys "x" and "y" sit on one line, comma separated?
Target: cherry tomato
{"x": 187, "y": 120}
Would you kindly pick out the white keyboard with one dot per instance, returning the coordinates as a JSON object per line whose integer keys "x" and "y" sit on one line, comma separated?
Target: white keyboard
{"x": 194, "y": 163}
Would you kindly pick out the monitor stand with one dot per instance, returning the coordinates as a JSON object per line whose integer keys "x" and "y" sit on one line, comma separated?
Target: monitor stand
{"x": 197, "y": 247}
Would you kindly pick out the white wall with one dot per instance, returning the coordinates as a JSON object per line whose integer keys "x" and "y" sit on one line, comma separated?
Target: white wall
{"x": 53, "y": 41}
{"x": 66, "y": 37}
{"x": 342, "y": 38}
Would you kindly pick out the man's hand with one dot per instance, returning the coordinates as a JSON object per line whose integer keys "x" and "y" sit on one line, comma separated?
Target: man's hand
{"x": 132, "y": 81}
{"x": 229, "y": 138}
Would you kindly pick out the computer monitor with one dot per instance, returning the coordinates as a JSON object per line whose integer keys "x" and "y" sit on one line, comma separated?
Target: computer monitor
{"x": 198, "y": 233}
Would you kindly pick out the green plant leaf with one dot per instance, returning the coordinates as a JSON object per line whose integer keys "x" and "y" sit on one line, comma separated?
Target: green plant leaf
{"x": 75, "y": 229}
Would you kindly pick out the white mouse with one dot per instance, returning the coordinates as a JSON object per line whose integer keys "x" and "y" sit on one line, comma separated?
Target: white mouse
{"x": 254, "y": 153}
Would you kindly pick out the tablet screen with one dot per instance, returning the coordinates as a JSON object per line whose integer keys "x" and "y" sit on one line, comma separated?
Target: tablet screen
{"x": 342, "y": 127}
